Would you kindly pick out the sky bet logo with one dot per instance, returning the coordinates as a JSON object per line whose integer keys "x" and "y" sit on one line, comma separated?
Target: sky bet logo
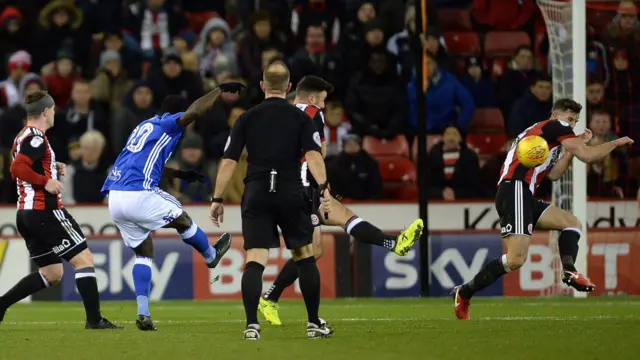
{"x": 172, "y": 271}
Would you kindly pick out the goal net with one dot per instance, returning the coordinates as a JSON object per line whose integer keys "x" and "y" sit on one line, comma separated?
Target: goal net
{"x": 588, "y": 53}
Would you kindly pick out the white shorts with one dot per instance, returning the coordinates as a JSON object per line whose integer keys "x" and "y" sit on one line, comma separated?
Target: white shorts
{"x": 137, "y": 213}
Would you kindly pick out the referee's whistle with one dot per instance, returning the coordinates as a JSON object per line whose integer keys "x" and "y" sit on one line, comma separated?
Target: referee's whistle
{"x": 272, "y": 180}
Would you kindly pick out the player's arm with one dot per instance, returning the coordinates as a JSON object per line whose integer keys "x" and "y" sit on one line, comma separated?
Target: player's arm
{"x": 33, "y": 149}
{"x": 590, "y": 154}
{"x": 318, "y": 121}
{"x": 560, "y": 167}
{"x": 199, "y": 107}
{"x": 232, "y": 152}
{"x": 311, "y": 141}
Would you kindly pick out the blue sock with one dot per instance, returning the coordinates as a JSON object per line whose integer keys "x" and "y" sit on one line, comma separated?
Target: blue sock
{"x": 195, "y": 237}
{"x": 142, "y": 282}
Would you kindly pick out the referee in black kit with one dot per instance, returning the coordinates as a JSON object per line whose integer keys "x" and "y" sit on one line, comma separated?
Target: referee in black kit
{"x": 277, "y": 135}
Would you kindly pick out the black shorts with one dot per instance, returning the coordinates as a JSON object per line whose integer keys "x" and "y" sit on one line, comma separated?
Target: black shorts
{"x": 519, "y": 211}
{"x": 50, "y": 235}
{"x": 263, "y": 212}
{"x": 313, "y": 195}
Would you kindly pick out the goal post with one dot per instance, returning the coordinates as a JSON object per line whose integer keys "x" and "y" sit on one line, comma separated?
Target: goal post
{"x": 566, "y": 27}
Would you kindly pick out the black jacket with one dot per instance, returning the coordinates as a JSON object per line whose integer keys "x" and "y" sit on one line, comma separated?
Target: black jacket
{"x": 355, "y": 177}
{"x": 462, "y": 182}
{"x": 527, "y": 111}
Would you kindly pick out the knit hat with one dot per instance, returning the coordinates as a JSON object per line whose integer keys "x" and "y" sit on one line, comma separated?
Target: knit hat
{"x": 9, "y": 14}
{"x": 189, "y": 37}
{"x": 473, "y": 61}
{"x": 19, "y": 59}
{"x": 65, "y": 54}
{"x": 172, "y": 55}
{"x": 352, "y": 136}
{"x": 191, "y": 141}
{"x": 107, "y": 56}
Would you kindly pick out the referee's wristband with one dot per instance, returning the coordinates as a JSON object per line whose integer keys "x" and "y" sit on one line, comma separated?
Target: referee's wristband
{"x": 217, "y": 200}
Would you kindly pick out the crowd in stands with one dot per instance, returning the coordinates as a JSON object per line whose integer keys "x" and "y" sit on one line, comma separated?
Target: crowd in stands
{"x": 109, "y": 64}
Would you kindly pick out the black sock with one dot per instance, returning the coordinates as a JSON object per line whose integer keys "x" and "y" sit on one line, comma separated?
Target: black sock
{"x": 487, "y": 276}
{"x": 287, "y": 276}
{"x": 568, "y": 247}
{"x": 365, "y": 232}
{"x": 310, "y": 287}
{"x": 28, "y": 285}
{"x": 251, "y": 289}
{"x": 88, "y": 289}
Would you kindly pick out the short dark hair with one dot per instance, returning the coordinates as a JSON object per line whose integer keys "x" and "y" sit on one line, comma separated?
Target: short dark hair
{"x": 311, "y": 83}
{"x": 567, "y": 105}
{"x": 173, "y": 104}
{"x": 600, "y": 111}
{"x": 541, "y": 77}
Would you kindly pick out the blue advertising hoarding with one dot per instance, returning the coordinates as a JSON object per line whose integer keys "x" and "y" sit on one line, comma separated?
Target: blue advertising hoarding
{"x": 172, "y": 271}
{"x": 393, "y": 275}
{"x": 456, "y": 259}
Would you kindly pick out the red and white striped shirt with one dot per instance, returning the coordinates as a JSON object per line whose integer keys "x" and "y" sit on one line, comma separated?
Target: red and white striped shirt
{"x": 554, "y": 132}
{"x": 316, "y": 115}
{"x": 31, "y": 147}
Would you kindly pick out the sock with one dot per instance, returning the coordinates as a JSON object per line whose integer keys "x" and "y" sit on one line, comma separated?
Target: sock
{"x": 88, "y": 289}
{"x": 365, "y": 232}
{"x": 487, "y": 276}
{"x": 195, "y": 237}
{"x": 251, "y": 289}
{"x": 142, "y": 283}
{"x": 568, "y": 247}
{"x": 28, "y": 285}
{"x": 310, "y": 287}
{"x": 287, "y": 276}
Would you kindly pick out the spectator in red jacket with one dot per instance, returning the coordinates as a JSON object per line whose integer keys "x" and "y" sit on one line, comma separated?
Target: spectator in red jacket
{"x": 60, "y": 80}
{"x": 506, "y": 15}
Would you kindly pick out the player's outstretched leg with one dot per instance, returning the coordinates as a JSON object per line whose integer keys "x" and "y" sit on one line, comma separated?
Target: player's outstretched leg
{"x": 554, "y": 218}
{"x": 141, "y": 273}
{"x": 310, "y": 288}
{"x": 29, "y": 285}
{"x": 366, "y": 232}
{"x": 191, "y": 234}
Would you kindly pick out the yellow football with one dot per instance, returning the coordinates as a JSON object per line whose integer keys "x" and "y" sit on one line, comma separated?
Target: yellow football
{"x": 532, "y": 151}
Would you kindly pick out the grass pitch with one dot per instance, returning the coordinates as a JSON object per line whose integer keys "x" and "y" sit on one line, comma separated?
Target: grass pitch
{"x": 558, "y": 328}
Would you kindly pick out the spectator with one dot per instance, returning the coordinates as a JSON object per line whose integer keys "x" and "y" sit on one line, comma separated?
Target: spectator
{"x": 102, "y": 16}
{"x": 216, "y": 44}
{"x": 12, "y": 89}
{"x": 479, "y": 84}
{"x": 137, "y": 106}
{"x": 13, "y": 36}
{"x": 451, "y": 165}
{"x": 257, "y": 39}
{"x": 172, "y": 79}
{"x": 357, "y": 57}
{"x": 400, "y": 45}
{"x": 448, "y": 102}
{"x": 183, "y": 44}
{"x": 191, "y": 157}
{"x": 490, "y": 173}
{"x": 111, "y": 84}
{"x": 214, "y": 127}
{"x": 624, "y": 27}
{"x": 151, "y": 25}
{"x": 515, "y": 81}
{"x": 315, "y": 59}
{"x": 503, "y": 15}
{"x": 8, "y": 193}
{"x": 61, "y": 28}
{"x": 61, "y": 78}
{"x": 602, "y": 176}
{"x": 376, "y": 99}
{"x": 533, "y": 107}
{"x": 433, "y": 43}
{"x": 81, "y": 115}
{"x": 601, "y": 125}
{"x": 353, "y": 34}
{"x": 278, "y": 12}
{"x": 130, "y": 59}
{"x": 336, "y": 127}
{"x": 596, "y": 99}
{"x": 354, "y": 174}
{"x": 12, "y": 119}
{"x": 323, "y": 13}
{"x": 86, "y": 175}
{"x": 620, "y": 91}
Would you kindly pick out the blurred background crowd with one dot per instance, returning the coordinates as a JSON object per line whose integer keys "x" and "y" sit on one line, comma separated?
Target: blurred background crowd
{"x": 109, "y": 63}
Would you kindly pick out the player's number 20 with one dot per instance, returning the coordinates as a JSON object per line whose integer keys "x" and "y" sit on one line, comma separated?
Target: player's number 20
{"x": 138, "y": 137}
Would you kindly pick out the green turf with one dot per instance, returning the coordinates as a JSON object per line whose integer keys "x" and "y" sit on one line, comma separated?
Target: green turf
{"x": 596, "y": 328}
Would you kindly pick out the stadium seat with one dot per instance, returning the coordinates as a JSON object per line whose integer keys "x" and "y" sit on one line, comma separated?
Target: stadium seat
{"x": 504, "y": 43}
{"x": 462, "y": 43}
{"x": 397, "y": 169}
{"x": 407, "y": 192}
{"x": 454, "y": 20}
{"x": 487, "y": 144}
{"x": 599, "y": 19}
{"x": 487, "y": 121}
{"x": 431, "y": 140}
{"x": 377, "y": 147}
